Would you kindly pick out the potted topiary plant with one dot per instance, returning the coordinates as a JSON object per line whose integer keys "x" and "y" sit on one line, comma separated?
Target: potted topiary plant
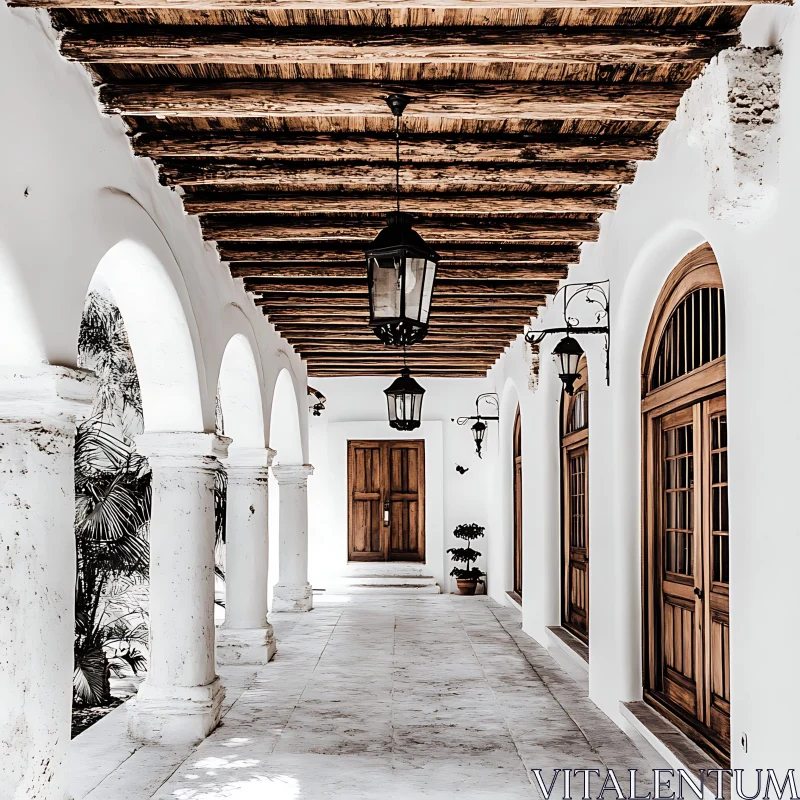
{"x": 467, "y": 577}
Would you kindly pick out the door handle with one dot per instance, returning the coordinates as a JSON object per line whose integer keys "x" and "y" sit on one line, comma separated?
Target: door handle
{"x": 386, "y": 513}
{"x": 698, "y": 592}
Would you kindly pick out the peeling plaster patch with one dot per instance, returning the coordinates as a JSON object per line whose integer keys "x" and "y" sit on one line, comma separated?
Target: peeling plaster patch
{"x": 731, "y": 112}
{"x": 533, "y": 372}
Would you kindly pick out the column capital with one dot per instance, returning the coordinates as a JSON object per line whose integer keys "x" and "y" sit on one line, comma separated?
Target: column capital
{"x": 182, "y": 449}
{"x": 249, "y": 458}
{"x": 291, "y": 473}
{"x": 42, "y": 391}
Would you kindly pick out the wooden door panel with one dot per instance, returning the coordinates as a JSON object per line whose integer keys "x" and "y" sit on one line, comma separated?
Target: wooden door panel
{"x": 386, "y": 487}
{"x": 517, "y": 454}
{"x": 576, "y": 540}
{"x": 406, "y": 493}
{"x": 365, "y": 512}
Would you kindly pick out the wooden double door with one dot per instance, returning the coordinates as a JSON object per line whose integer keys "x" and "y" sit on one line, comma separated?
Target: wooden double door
{"x": 386, "y": 498}
{"x": 689, "y": 573}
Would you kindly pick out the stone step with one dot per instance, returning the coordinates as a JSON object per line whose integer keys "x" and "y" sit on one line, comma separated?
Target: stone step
{"x": 365, "y": 579}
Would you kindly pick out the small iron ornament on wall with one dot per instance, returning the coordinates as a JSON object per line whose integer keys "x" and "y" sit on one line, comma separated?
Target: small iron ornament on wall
{"x": 479, "y": 428}
{"x": 568, "y": 351}
{"x": 316, "y": 401}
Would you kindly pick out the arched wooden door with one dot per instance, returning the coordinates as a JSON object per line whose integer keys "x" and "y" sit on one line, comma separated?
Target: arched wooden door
{"x": 517, "y": 503}
{"x": 685, "y": 508}
{"x": 575, "y": 507}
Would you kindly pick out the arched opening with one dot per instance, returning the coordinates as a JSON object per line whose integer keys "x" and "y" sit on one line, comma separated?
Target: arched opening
{"x": 159, "y": 336}
{"x": 575, "y": 506}
{"x": 134, "y": 336}
{"x": 239, "y": 394}
{"x": 284, "y": 427}
{"x": 685, "y": 504}
{"x": 517, "y": 456}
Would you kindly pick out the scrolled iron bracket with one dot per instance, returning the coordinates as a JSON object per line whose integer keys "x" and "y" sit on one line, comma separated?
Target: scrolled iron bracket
{"x": 488, "y": 397}
{"x": 597, "y": 294}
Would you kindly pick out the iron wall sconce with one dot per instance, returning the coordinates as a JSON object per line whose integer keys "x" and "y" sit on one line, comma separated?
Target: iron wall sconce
{"x": 568, "y": 351}
{"x": 317, "y": 400}
{"x": 479, "y": 428}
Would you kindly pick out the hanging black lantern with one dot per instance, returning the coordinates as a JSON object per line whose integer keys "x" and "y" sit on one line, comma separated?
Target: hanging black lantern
{"x": 404, "y": 399}
{"x": 478, "y": 432}
{"x": 569, "y": 353}
{"x": 401, "y": 269}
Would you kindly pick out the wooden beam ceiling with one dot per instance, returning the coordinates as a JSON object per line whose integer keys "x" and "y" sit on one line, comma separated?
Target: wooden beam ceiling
{"x": 349, "y": 5}
{"x": 269, "y": 117}
{"x": 454, "y": 100}
{"x": 381, "y": 147}
{"x": 483, "y": 204}
{"x": 193, "y": 172}
{"x": 252, "y": 228}
{"x": 348, "y": 45}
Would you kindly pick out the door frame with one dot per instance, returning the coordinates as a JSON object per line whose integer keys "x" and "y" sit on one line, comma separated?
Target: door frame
{"x": 386, "y": 446}
{"x": 693, "y": 390}
{"x": 570, "y": 444}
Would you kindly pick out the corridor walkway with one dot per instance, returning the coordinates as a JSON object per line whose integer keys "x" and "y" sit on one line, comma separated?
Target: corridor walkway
{"x": 401, "y": 698}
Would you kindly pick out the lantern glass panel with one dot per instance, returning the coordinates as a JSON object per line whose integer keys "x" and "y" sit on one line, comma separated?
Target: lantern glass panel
{"x": 418, "y": 288}
{"x": 385, "y": 286}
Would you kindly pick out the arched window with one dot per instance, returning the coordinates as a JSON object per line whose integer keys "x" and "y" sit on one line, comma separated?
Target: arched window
{"x": 575, "y": 506}
{"x": 685, "y": 505}
{"x": 518, "y": 504}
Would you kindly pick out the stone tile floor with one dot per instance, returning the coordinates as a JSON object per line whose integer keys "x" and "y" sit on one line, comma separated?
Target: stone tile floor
{"x": 395, "y": 698}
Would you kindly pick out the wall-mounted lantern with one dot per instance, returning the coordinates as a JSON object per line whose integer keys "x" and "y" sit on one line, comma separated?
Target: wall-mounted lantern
{"x": 479, "y": 428}
{"x": 568, "y": 351}
{"x": 404, "y": 400}
{"x": 401, "y": 269}
{"x": 316, "y": 401}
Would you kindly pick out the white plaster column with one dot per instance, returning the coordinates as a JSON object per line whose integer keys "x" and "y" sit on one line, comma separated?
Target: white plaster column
{"x": 39, "y": 408}
{"x": 292, "y": 592}
{"x": 180, "y": 699}
{"x": 247, "y": 637}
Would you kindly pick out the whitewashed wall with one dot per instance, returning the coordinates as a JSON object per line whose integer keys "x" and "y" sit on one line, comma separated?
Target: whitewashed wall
{"x": 746, "y": 206}
{"x": 356, "y": 409}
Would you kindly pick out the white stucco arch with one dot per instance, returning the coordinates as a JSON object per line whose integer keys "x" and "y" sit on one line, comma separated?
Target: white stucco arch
{"x": 284, "y": 430}
{"x": 240, "y": 394}
{"x": 159, "y": 335}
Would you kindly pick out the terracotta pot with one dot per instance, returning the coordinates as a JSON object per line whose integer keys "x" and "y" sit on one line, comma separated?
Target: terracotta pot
{"x": 466, "y": 586}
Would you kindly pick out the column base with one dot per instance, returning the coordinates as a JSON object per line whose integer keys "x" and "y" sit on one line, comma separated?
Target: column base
{"x": 175, "y": 714}
{"x": 292, "y": 598}
{"x": 245, "y": 645}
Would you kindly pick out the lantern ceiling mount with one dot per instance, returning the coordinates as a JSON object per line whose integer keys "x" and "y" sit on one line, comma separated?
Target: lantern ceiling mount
{"x": 479, "y": 428}
{"x": 597, "y": 295}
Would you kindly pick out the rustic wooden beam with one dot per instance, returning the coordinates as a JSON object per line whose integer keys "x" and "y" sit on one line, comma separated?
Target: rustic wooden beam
{"x": 360, "y": 319}
{"x": 421, "y": 372}
{"x": 336, "y": 305}
{"x": 650, "y": 102}
{"x": 174, "y": 44}
{"x": 205, "y": 202}
{"x": 443, "y": 287}
{"x": 333, "y": 251}
{"x": 475, "y": 345}
{"x": 381, "y": 147}
{"x": 397, "y": 360}
{"x": 298, "y": 329}
{"x": 219, "y": 172}
{"x": 351, "y": 5}
{"x": 525, "y": 273}
{"x": 364, "y": 351}
{"x": 471, "y": 319}
{"x": 253, "y": 229}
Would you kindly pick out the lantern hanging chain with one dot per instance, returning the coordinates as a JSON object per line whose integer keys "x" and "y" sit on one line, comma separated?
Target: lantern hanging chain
{"x": 397, "y": 159}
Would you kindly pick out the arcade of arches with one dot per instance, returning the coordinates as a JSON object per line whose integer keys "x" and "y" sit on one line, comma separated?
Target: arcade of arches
{"x": 213, "y": 169}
